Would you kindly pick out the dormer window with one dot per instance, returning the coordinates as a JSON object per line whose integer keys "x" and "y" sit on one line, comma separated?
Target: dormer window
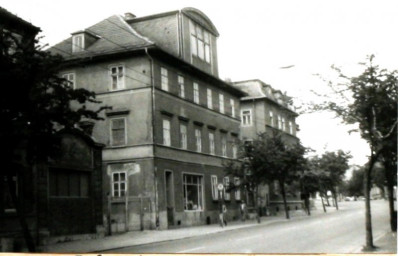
{"x": 200, "y": 42}
{"x": 78, "y": 43}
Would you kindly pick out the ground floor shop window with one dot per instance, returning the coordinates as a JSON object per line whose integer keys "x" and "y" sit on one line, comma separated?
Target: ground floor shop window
{"x": 69, "y": 183}
{"x": 193, "y": 192}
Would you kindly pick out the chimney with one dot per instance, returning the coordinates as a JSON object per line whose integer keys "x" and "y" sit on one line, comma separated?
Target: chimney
{"x": 129, "y": 16}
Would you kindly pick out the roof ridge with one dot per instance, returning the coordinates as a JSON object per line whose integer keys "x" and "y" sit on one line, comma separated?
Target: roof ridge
{"x": 132, "y": 30}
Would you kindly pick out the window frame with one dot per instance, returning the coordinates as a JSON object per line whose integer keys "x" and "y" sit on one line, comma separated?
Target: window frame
{"x": 237, "y": 194}
{"x": 209, "y": 98}
{"x": 184, "y": 139}
{"x": 111, "y": 140}
{"x": 120, "y": 82}
{"x": 223, "y": 145}
{"x": 227, "y": 195}
{"x": 198, "y": 139}
{"x": 119, "y": 182}
{"x": 78, "y": 45}
{"x": 72, "y": 82}
{"x": 212, "y": 143}
{"x": 164, "y": 79}
{"x": 201, "y": 195}
{"x": 196, "y": 97}
{"x": 221, "y": 103}
{"x": 166, "y": 139}
{"x": 248, "y": 122}
{"x": 200, "y": 42}
{"x": 214, "y": 189}
{"x": 232, "y": 101}
{"x": 181, "y": 86}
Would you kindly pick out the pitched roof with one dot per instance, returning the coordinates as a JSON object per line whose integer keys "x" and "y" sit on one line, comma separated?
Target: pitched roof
{"x": 113, "y": 35}
{"x": 12, "y": 20}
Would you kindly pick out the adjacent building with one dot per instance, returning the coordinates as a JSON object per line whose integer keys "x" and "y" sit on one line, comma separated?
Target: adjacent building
{"x": 266, "y": 110}
{"x": 173, "y": 122}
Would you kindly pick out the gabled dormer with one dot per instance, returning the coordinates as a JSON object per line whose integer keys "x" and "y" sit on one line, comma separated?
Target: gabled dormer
{"x": 81, "y": 40}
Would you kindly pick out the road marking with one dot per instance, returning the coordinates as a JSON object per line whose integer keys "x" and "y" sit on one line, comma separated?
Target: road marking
{"x": 190, "y": 250}
{"x": 249, "y": 237}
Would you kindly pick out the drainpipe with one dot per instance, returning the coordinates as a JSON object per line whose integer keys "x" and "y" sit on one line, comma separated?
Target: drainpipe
{"x": 153, "y": 138}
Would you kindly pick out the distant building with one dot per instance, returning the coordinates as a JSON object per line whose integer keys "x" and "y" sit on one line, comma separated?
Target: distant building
{"x": 265, "y": 110}
{"x": 173, "y": 123}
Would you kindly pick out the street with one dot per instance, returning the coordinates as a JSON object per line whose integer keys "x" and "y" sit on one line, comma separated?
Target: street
{"x": 340, "y": 231}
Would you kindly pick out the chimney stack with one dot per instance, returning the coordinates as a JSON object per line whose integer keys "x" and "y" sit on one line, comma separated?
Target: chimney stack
{"x": 129, "y": 16}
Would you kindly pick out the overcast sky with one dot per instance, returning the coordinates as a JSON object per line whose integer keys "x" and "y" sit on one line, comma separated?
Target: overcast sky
{"x": 257, "y": 38}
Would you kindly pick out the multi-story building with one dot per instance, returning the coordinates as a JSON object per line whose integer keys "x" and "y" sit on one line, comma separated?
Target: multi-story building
{"x": 265, "y": 110}
{"x": 173, "y": 122}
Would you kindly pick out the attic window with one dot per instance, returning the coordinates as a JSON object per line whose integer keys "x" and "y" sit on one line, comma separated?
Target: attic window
{"x": 78, "y": 43}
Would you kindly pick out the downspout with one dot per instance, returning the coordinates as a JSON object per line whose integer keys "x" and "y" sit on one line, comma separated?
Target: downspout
{"x": 153, "y": 138}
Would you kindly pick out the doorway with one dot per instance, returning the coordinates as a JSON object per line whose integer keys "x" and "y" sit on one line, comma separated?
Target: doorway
{"x": 169, "y": 197}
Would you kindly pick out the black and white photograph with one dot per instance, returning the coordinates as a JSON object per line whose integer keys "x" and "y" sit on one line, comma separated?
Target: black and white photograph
{"x": 198, "y": 127}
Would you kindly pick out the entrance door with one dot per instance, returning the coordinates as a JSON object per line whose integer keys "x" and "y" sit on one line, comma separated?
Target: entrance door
{"x": 169, "y": 197}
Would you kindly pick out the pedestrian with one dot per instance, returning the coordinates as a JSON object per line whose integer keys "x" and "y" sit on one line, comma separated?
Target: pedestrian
{"x": 243, "y": 210}
{"x": 222, "y": 213}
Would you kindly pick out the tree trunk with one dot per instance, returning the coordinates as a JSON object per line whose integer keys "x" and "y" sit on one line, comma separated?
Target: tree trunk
{"x": 20, "y": 213}
{"x": 327, "y": 199}
{"x": 256, "y": 205}
{"x": 308, "y": 205}
{"x": 323, "y": 204}
{"x": 389, "y": 171}
{"x": 335, "y": 200}
{"x": 282, "y": 185}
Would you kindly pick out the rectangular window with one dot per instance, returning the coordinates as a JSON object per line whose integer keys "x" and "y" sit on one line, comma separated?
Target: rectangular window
{"x": 279, "y": 122}
{"x": 7, "y": 200}
{"x": 183, "y": 136}
{"x": 283, "y": 124}
{"x": 166, "y": 132}
{"x": 209, "y": 99}
{"x": 211, "y": 143}
{"x": 193, "y": 192}
{"x": 214, "y": 189}
{"x": 164, "y": 79}
{"x": 118, "y": 131}
{"x": 198, "y": 139}
{"x": 181, "y": 85}
{"x": 67, "y": 183}
{"x": 119, "y": 184}
{"x": 291, "y": 127}
{"x": 224, "y": 145}
{"x": 221, "y": 99}
{"x": 246, "y": 117}
{"x": 237, "y": 189}
{"x": 271, "y": 118}
{"x": 196, "y": 93}
{"x": 200, "y": 42}
{"x": 226, "y": 186}
{"x": 117, "y": 77}
{"x": 234, "y": 151}
{"x": 77, "y": 43}
{"x": 232, "y": 108}
{"x": 70, "y": 79}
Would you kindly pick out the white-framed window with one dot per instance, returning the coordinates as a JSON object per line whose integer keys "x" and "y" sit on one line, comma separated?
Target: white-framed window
{"x": 166, "y": 132}
{"x": 237, "y": 190}
{"x": 200, "y": 42}
{"x": 283, "y": 124}
{"x": 271, "y": 118}
{"x": 181, "y": 85}
{"x": 119, "y": 184}
{"x": 77, "y": 43}
{"x": 70, "y": 79}
{"x": 214, "y": 189}
{"x": 118, "y": 131}
{"x": 198, "y": 139}
{"x": 183, "y": 136}
{"x": 279, "y": 122}
{"x": 209, "y": 99}
{"x": 164, "y": 79}
{"x": 221, "y": 100}
{"x": 226, "y": 186}
{"x": 232, "y": 107}
{"x": 234, "y": 151}
{"x": 212, "y": 149}
{"x": 196, "y": 93}
{"x": 117, "y": 77}
{"x": 246, "y": 117}
{"x": 193, "y": 192}
{"x": 223, "y": 145}
{"x": 290, "y": 127}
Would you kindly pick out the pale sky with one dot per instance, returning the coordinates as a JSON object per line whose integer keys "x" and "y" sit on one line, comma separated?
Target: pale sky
{"x": 257, "y": 37}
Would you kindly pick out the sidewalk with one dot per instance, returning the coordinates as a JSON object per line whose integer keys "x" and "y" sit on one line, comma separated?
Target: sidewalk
{"x": 387, "y": 243}
{"x": 153, "y": 236}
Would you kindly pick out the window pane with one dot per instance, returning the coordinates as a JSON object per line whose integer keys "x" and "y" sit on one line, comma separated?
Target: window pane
{"x": 201, "y": 50}
{"x": 122, "y": 176}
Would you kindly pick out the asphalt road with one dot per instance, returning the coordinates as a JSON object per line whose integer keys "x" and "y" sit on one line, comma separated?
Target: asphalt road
{"x": 340, "y": 231}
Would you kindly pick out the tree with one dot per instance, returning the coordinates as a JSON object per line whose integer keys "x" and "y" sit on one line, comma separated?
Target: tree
{"x": 270, "y": 158}
{"x": 355, "y": 184}
{"x": 34, "y": 105}
{"x": 369, "y": 101}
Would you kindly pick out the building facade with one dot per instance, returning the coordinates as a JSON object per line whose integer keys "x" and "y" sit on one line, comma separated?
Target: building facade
{"x": 266, "y": 110}
{"x": 173, "y": 122}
